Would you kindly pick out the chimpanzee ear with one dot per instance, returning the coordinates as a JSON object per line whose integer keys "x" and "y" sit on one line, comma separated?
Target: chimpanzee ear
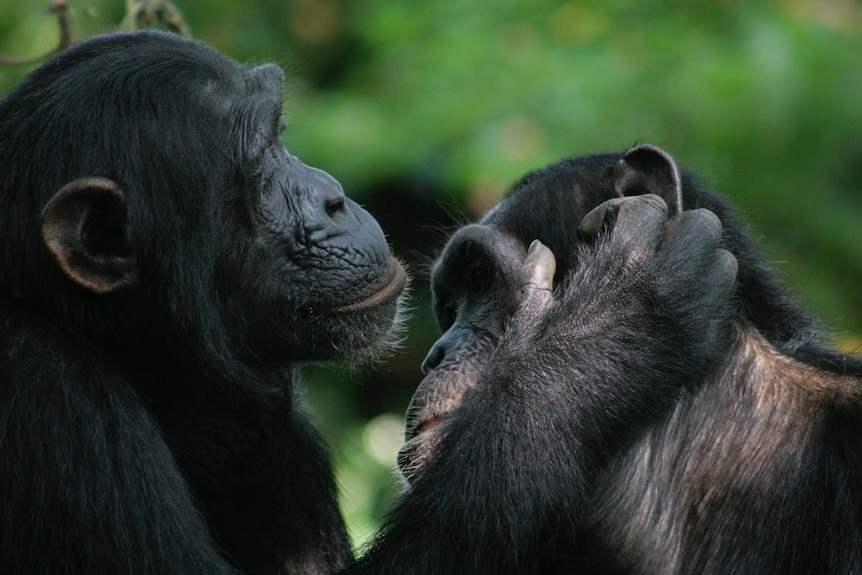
{"x": 84, "y": 227}
{"x": 648, "y": 169}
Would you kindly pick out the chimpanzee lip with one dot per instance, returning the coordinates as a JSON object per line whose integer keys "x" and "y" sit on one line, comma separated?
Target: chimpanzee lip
{"x": 395, "y": 281}
{"x": 420, "y": 441}
{"x": 418, "y": 426}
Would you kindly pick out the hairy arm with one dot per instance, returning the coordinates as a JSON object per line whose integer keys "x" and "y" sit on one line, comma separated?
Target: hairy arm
{"x": 87, "y": 484}
{"x": 577, "y": 373}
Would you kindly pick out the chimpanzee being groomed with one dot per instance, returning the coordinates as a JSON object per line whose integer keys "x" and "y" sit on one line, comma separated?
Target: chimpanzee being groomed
{"x": 658, "y": 431}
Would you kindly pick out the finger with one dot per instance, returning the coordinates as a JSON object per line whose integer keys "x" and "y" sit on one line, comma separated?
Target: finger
{"x": 641, "y": 218}
{"x": 635, "y": 220}
{"x": 726, "y": 269}
{"x": 537, "y": 275}
{"x": 700, "y": 222}
{"x": 692, "y": 234}
{"x": 598, "y": 220}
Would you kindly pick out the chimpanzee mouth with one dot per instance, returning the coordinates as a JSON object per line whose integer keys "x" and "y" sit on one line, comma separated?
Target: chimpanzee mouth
{"x": 421, "y": 442}
{"x": 396, "y": 279}
{"x": 416, "y": 427}
{"x": 433, "y": 411}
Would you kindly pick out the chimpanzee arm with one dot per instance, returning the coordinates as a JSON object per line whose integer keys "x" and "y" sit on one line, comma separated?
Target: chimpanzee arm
{"x": 264, "y": 477}
{"x": 580, "y": 371}
{"x": 87, "y": 483}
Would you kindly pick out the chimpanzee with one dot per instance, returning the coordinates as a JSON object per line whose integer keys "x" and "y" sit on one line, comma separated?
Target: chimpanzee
{"x": 164, "y": 265}
{"x": 620, "y": 413}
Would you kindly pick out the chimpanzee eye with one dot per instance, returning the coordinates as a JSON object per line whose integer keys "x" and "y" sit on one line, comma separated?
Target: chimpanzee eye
{"x": 450, "y": 313}
{"x": 479, "y": 277}
{"x": 445, "y": 310}
{"x": 269, "y": 164}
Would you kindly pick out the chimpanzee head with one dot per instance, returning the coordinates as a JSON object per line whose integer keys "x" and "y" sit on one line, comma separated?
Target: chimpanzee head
{"x": 148, "y": 201}
{"x": 476, "y": 281}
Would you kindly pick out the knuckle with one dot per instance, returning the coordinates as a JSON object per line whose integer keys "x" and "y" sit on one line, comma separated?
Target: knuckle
{"x": 648, "y": 206}
{"x": 707, "y": 221}
{"x": 653, "y": 201}
{"x": 695, "y": 231}
{"x": 728, "y": 264}
{"x": 640, "y": 222}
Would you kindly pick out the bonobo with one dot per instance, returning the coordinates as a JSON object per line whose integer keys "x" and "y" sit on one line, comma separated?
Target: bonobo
{"x": 164, "y": 263}
{"x": 620, "y": 418}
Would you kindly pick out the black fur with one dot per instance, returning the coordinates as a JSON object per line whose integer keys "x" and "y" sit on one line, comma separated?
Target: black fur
{"x": 164, "y": 265}
{"x": 643, "y": 418}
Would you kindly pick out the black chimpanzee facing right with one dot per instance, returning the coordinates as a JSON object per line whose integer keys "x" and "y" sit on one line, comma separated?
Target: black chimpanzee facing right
{"x": 626, "y": 421}
{"x": 164, "y": 263}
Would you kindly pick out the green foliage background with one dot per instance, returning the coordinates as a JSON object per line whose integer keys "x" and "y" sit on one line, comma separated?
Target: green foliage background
{"x": 427, "y": 110}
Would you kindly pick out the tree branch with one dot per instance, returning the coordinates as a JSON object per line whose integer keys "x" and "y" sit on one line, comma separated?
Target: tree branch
{"x": 67, "y": 37}
{"x": 139, "y": 14}
{"x": 148, "y": 13}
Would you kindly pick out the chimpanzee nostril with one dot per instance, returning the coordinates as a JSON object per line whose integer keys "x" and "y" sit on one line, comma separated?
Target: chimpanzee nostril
{"x": 433, "y": 359}
{"x": 449, "y": 346}
{"x": 334, "y": 205}
{"x": 326, "y": 204}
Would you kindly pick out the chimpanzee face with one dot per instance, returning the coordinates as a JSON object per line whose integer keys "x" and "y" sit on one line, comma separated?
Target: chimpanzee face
{"x": 185, "y": 206}
{"x": 329, "y": 274}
